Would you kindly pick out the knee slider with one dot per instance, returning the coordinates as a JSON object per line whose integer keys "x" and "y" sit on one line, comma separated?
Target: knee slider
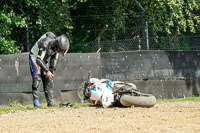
{"x": 49, "y": 83}
{"x": 36, "y": 84}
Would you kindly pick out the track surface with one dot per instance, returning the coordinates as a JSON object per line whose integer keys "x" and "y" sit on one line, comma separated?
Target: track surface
{"x": 179, "y": 117}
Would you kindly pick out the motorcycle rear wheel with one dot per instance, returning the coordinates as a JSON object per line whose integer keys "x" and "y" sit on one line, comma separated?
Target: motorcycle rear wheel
{"x": 144, "y": 100}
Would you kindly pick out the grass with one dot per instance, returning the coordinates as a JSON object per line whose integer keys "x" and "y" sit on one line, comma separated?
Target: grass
{"x": 179, "y": 99}
{"x": 13, "y": 109}
{"x": 16, "y": 106}
{"x": 78, "y": 105}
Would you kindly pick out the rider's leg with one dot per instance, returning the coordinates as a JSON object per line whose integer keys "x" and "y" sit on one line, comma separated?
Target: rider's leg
{"x": 36, "y": 76}
{"x": 48, "y": 86}
{"x": 35, "y": 92}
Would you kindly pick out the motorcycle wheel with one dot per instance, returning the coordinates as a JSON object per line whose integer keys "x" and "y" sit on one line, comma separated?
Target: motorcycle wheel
{"x": 144, "y": 100}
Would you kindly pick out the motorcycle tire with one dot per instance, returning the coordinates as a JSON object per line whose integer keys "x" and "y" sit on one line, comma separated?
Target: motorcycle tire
{"x": 144, "y": 100}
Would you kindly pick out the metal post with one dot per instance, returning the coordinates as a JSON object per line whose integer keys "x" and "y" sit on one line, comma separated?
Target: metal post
{"x": 140, "y": 5}
{"x": 147, "y": 35}
{"x": 27, "y": 39}
{"x": 146, "y": 25}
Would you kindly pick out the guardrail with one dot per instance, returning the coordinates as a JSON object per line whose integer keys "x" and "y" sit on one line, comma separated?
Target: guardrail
{"x": 166, "y": 74}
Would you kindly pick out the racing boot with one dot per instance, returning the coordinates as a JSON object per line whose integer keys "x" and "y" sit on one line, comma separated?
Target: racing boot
{"x": 35, "y": 90}
{"x": 36, "y": 102}
{"x": 49, "y": 98}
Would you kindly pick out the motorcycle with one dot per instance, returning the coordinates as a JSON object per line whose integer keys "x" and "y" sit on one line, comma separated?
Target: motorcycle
{"x": 114, "y": 93}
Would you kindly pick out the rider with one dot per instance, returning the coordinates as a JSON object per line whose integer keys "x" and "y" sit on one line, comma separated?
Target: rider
{"x": 46, "y": 49}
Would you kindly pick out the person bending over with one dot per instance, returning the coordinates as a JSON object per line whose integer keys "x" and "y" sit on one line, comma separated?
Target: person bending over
{"x": 42, "y": 60}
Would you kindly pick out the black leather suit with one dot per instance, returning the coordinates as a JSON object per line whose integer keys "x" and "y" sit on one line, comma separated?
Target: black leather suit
{"x": 43, "y": 58}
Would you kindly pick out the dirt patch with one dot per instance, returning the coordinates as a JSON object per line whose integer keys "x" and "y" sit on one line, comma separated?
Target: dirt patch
{"x": 179, "y": 117}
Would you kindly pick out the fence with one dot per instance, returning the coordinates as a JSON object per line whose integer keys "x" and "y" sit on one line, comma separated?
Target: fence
{"x": 187, "y": 43}
{"x": 135, "y": 36}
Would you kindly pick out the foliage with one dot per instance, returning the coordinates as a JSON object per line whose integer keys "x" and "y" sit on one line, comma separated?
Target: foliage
{"x": 23, "y": 22}
{"x": 116, "y": 16}
{"x": 14, "y": 104}
{"x": 173, "y": 15}
{"x": 43, "y": 16}
{"x": 92, "y": 18}
{"x": 8, "y": 20}
{"x": 39, "y": 16}
{"x": 174, "y": 42}
{"x": 49, "y": 15}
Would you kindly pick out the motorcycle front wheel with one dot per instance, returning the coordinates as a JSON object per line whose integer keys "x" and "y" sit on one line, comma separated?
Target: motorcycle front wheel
{"x": 143, "y": 100}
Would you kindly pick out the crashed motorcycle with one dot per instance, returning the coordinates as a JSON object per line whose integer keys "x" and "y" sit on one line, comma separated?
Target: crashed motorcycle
{"x": 114, "y": 93}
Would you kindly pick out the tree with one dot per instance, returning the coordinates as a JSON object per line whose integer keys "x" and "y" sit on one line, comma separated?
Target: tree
{"x": 99, "y": 20}
{"x": 93, "y": 20}
{"x": 8, "y": 20}
{"x": 43, "y": 16}
{"x": 109, "y": 20}
{"x": 37, "y": 17}
{"x": 173, "y": 15}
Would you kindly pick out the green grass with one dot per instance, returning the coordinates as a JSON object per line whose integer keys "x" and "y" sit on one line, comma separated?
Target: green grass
{"x": 15, "y": 106}
{"x": 179, "y": 99}
{"x": 10, "y": 109}
{"x": 78, "y": 105}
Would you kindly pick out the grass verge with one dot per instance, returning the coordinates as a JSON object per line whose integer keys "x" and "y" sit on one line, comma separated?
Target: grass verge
{"x": 179, "y": 99}
{"x": 15, "y": 106}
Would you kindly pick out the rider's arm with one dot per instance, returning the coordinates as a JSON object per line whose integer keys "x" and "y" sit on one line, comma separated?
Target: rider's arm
{"x": 42, "y": 44}
{"x": 53, "y": 62}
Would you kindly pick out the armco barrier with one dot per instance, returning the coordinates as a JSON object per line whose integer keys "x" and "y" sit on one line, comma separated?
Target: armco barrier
{"x": 165, "y": 74}
{"x": 72, "y": 70}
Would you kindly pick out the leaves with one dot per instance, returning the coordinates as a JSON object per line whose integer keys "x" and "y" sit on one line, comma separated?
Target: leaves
{"x": 85, "y": 20}
{"x": 7, "y": 21}
{"x": 7, "y": 46}
{"x": 169, "y": 14}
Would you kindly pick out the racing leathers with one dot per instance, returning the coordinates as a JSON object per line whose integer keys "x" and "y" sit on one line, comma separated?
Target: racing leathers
{"x": 42, "y": 59}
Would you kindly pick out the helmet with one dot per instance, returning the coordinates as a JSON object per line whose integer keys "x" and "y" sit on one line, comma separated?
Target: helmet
{"x": 50, "y": 35}
{"x": 62, "y": 44}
